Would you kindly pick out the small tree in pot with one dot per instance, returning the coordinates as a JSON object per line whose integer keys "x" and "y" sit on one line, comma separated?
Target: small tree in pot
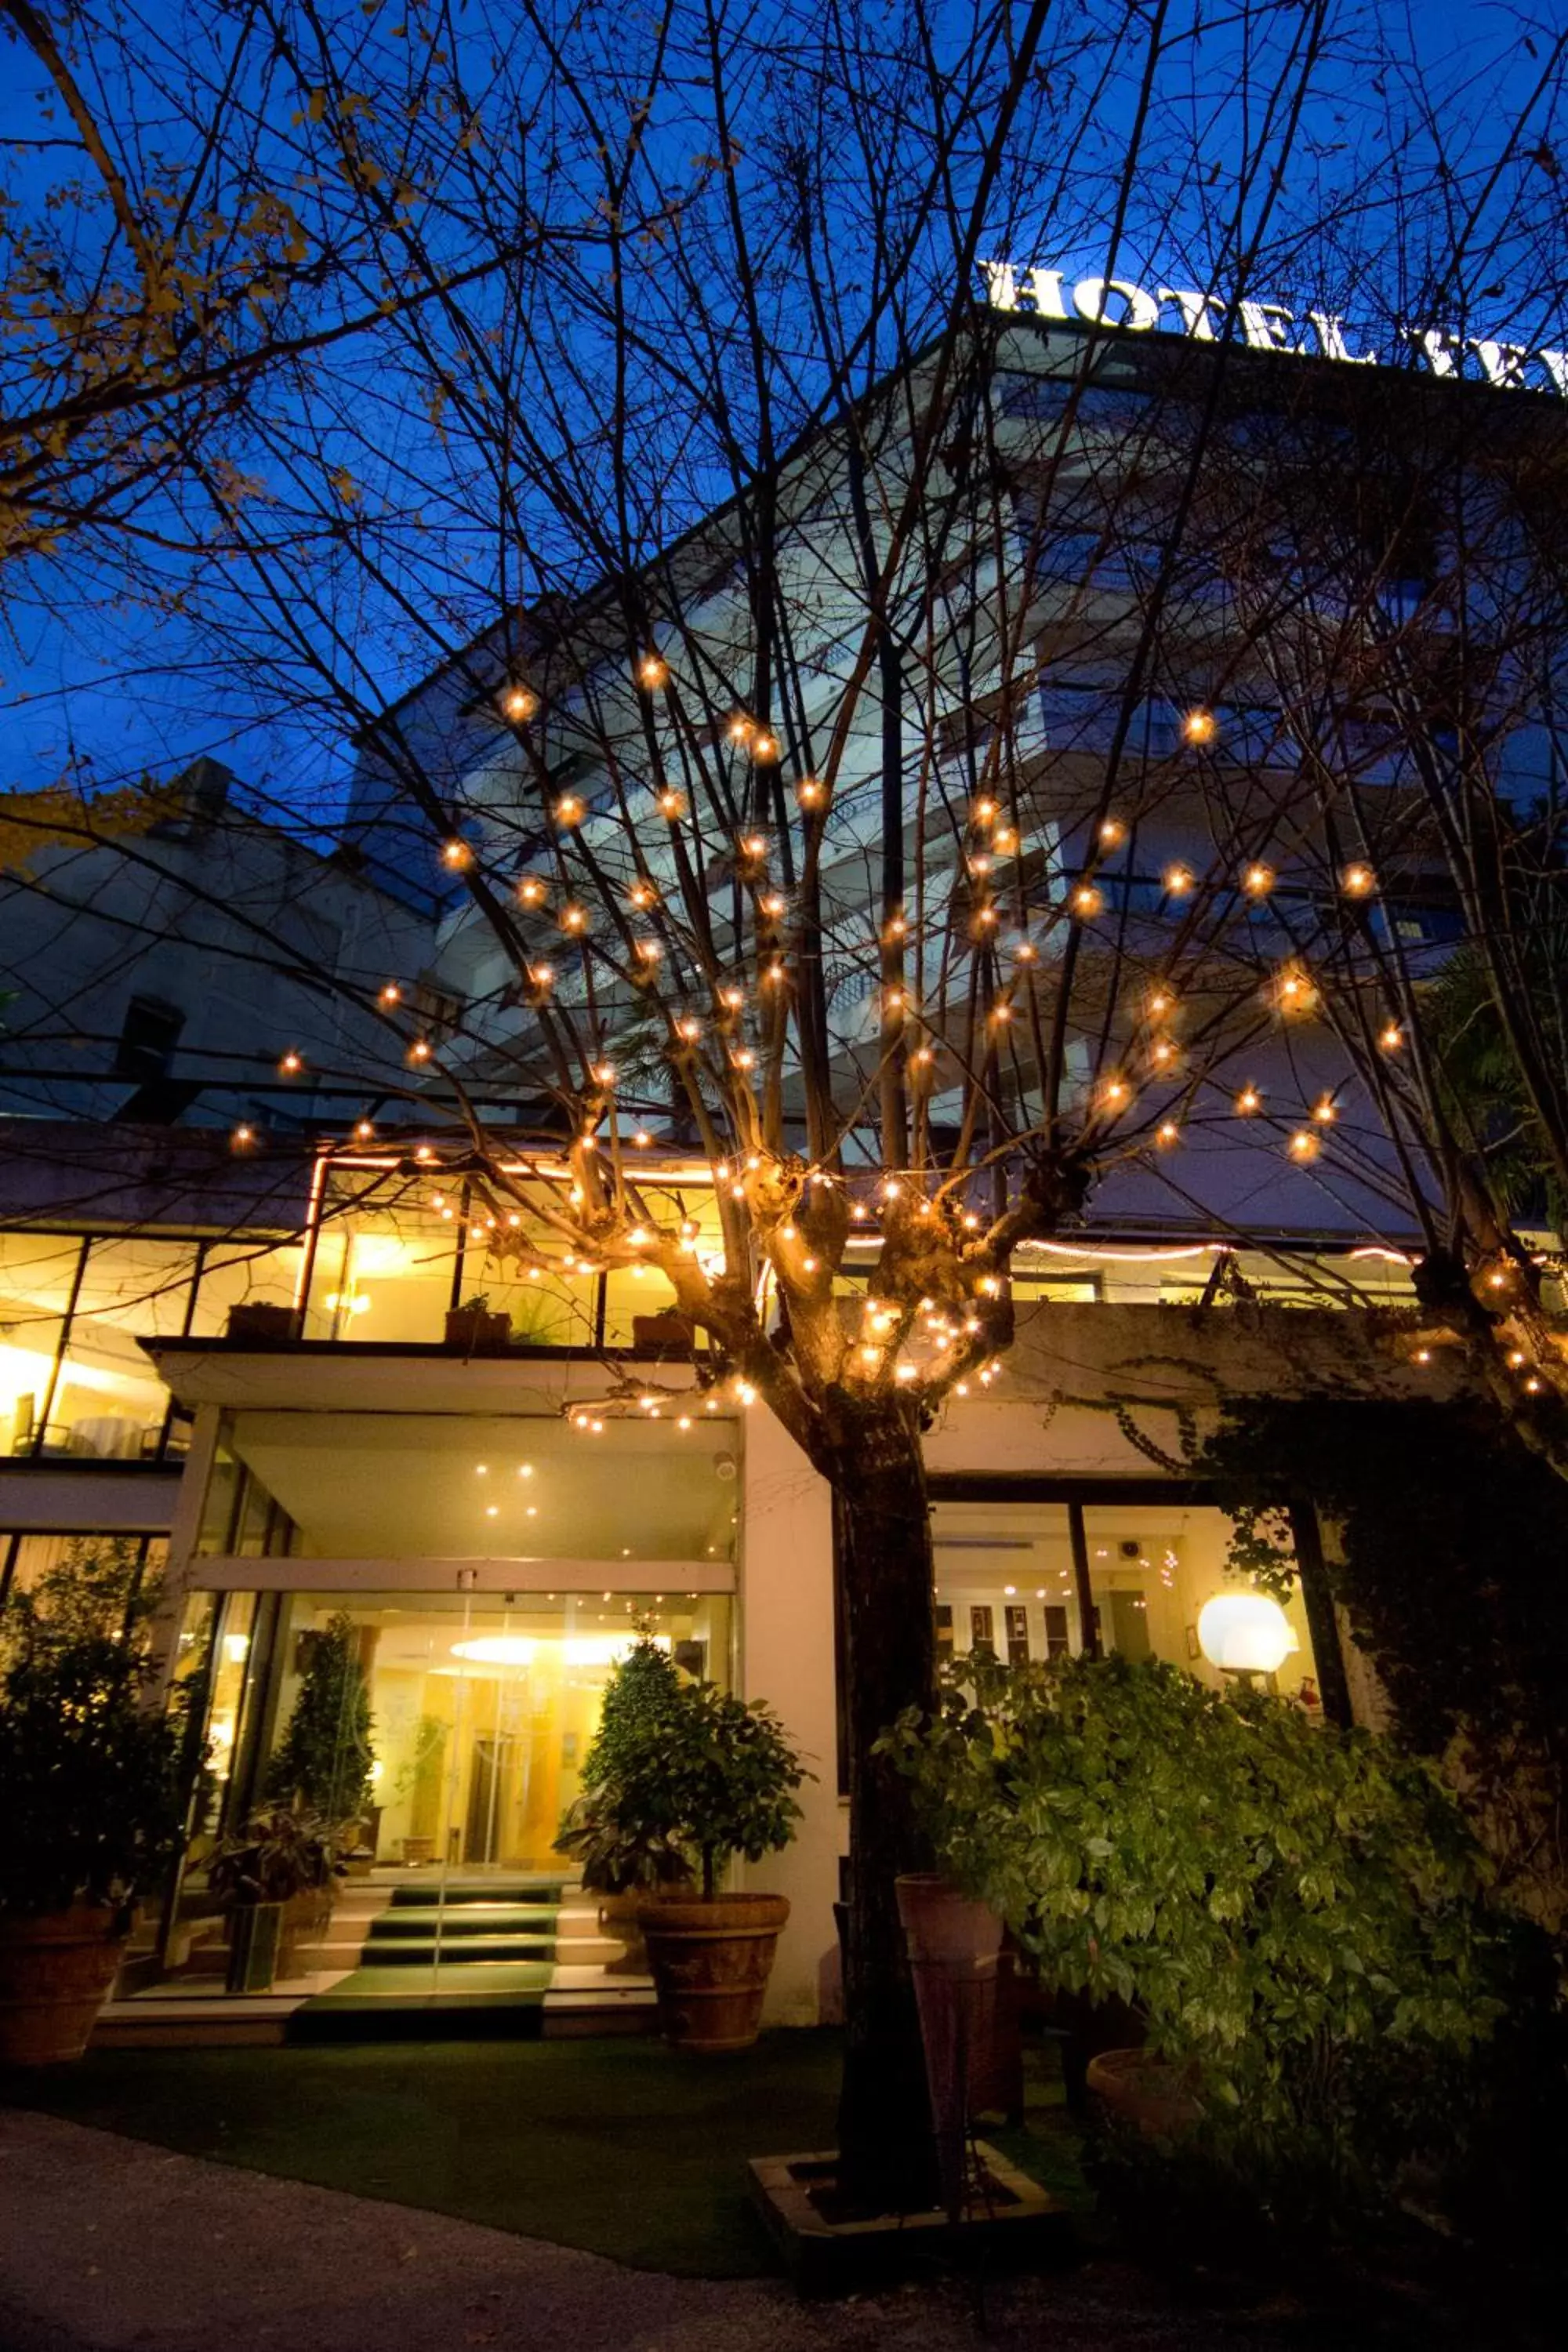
{"x": 719, "y": 1780}
{"x": 322, "y": 1763}
{"x": 623, "y": 1854}
{"x": 89, "y": 1796}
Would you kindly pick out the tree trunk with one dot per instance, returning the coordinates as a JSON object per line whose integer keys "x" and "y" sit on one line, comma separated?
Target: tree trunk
{"x": 887, "y": 2151}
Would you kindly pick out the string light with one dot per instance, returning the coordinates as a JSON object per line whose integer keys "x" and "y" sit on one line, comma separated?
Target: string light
{"x": 1086, "y": 900}
{"x": 1177, "y": 881}
{"x": 1532, "y": 1386}
{"x": 391, "y": 994}
{"x": 1199, "y": 726}
{"x": 1162, "y": 1052}
{"x": 647, "y": 950}
{"x": 569, "y": 810}
{"x": 1159, "y": 1004}
{"x": 242, "y": 1138}
{"x": 531, "y": 891}
{"x": 1247, "y": 1101}
{"x": 1516, "y": 1358}
{"x": 1026, "y": 952}
{"x": 1358, "y": 881}
{"x": 1115, "y": 1091}
{"x": 772, "y": 903}
{"x": 642, "y": 895}
{"x": 1391, "y": 1037}
{"x": 456, "y": 855}
{"x": 984, "y": 810}
{"x": 419, "y": 1051}
{"x": 1324, "y": 1110}
{"x": 291, "y": 1065}
{"x": 811, "y": 792}
{"x": 363, "y": 1131}
{"x": 1258, "y": 880}
{"x": 651, "y": 671}
{"x": 603, "y": 1074}
{"x": 574, "y": 918}
{"x": 1112, "y": 832}
{"x": 1168, "y": 1133}
{"x": 518, "y": 702}
{"x": 1304, "y": 1145}
{"x": 765, "y": 748}
{"x": 671, "y": 803}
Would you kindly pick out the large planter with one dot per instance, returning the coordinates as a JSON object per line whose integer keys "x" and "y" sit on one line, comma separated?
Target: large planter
{"x": 1144, "y": 2095}
{"x": 620, "y": 1918}
{"x": 254, "y": 1938}
{"x": 954, "y": 1945}
{"x": 478, "y": 1332}
{"x": 260, "y": 1324}
{"x": 55, "y": 1975}
{"x": 710, "y": 1962}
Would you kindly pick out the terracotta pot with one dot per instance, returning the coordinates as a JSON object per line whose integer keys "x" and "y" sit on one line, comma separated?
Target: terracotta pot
{"x": 710, "y": 1962}
{"x": 260, "y": 1323}
{"x": 1145, "y": 2094}
{"x": 943, "y": 1925}
{"x": 477, "y": 1332}
{"x": 55, "y": 1975}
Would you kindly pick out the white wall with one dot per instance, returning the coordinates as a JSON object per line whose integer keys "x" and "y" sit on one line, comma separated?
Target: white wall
{"x": 786, "y": 1657}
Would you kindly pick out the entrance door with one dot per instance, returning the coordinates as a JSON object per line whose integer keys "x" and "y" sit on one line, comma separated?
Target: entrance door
{"x": 491, "y": 1793}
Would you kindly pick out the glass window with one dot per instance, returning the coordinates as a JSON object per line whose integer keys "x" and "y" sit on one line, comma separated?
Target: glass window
{"x": 37, "y": 1274}
{"x": 1006, "y": 1578}
{"x": 237, "y": 1272}
{"x": 109, "y": 1402}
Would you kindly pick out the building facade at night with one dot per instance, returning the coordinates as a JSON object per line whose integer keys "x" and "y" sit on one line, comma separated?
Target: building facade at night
{"x": 490, "y": 1546}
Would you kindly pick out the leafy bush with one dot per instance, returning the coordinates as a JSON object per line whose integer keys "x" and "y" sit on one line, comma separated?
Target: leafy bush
{"x": 276, "y": 1856}
{"x": 679, "y": 1769}
{"x": 90, "y": 1784}
{"x": 1296, "y": 1914}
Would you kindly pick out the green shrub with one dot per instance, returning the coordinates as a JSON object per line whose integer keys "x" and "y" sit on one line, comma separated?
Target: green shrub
{"x": 322, "y": 1763}
{"x": 1295, "y": 1913}
{"x": 90, "y": 1783}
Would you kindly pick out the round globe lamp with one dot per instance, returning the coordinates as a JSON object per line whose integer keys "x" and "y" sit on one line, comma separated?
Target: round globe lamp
{"x": 1245, "y": 1634}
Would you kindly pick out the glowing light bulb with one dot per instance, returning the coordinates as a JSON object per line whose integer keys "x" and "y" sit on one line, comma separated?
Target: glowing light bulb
{"x": 1168, "y": 1133}
{"x": 456, "y": 855}
{"x": 574, "y": 920}
{"x": 1324, "y": 1110}
{"x": 811, "y": 792}
{"x": 1199, "y": 726}
{"x": 651, "y": 671}
{"x": 363, "y": 1131}
{"x": 242, "y": 1137}
{"x": 291, "y": 1065}
{"x": 531, "y": 891}
{"x": 670, "y": 803}
{"x": 1258, "y": 880}
{"x": 1112, "y": 832}
{"x": 569, "y": 810}
{"x": 1177, "y": 881}
{"x": 984, "y": 810}
{"x": 1391, "y": 1037}
{"x": 391, "y": 994}
{"x": 518, "y": 702}
{"x": 1358, "y": 881}
{"x": 419, "y": 1051}
{"x": 1087, "y": 899}
{"x": 1303, "y": 1145}
{"x": 764, "y": 747}
{"x": 1247, "y": 1101}
{"x": 648, "y": 950}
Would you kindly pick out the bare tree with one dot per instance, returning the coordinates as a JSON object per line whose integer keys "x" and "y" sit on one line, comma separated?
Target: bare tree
{"x": 843, "y": 700}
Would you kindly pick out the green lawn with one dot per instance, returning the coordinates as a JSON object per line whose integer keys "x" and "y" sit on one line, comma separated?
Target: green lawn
{"x": 621, "y": 2146}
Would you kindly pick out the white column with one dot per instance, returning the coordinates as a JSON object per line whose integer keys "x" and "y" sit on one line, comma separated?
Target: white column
{"x": 786, "y": 1657}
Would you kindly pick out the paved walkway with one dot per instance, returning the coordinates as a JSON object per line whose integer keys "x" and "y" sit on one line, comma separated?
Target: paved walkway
{"x": 110, "y": 2245}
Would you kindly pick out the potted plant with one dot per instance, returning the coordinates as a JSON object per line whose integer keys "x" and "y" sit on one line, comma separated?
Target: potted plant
{"x": 625, "y": 1855}
{"x": 472, "y": 1328}
{"x": 275, "y": 1880}
{"x": 420, "y": 1780}
{"x": 720, "y": 1780}
{"x": 260, "y": 1323}
{"x": 89, "y": 1796}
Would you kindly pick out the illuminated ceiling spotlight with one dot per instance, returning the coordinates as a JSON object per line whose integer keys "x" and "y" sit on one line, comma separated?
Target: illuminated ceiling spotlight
{"x": 1199, "y": 726}
{"x": 1178, "y": 881}
{"x": 1358, "y": 881}
{"x": 1086, "y": 900}
{"x": 518, "y": 702}
{"x": 1257, "y": 879}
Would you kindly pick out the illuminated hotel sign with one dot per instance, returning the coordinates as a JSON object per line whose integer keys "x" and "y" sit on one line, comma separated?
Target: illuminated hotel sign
{"x": 1044, "y": 293}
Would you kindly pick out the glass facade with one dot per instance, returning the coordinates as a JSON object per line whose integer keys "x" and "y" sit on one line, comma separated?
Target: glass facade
{"x": 1012, "y": 1577}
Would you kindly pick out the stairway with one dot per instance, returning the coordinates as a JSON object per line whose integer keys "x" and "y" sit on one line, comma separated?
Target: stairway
{"x": 475, "y": 1924}
{"x": 476, "y": 1957}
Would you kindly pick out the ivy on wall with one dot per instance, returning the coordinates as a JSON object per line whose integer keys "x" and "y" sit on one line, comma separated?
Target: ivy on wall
{"x": 1449, "y": 1554}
